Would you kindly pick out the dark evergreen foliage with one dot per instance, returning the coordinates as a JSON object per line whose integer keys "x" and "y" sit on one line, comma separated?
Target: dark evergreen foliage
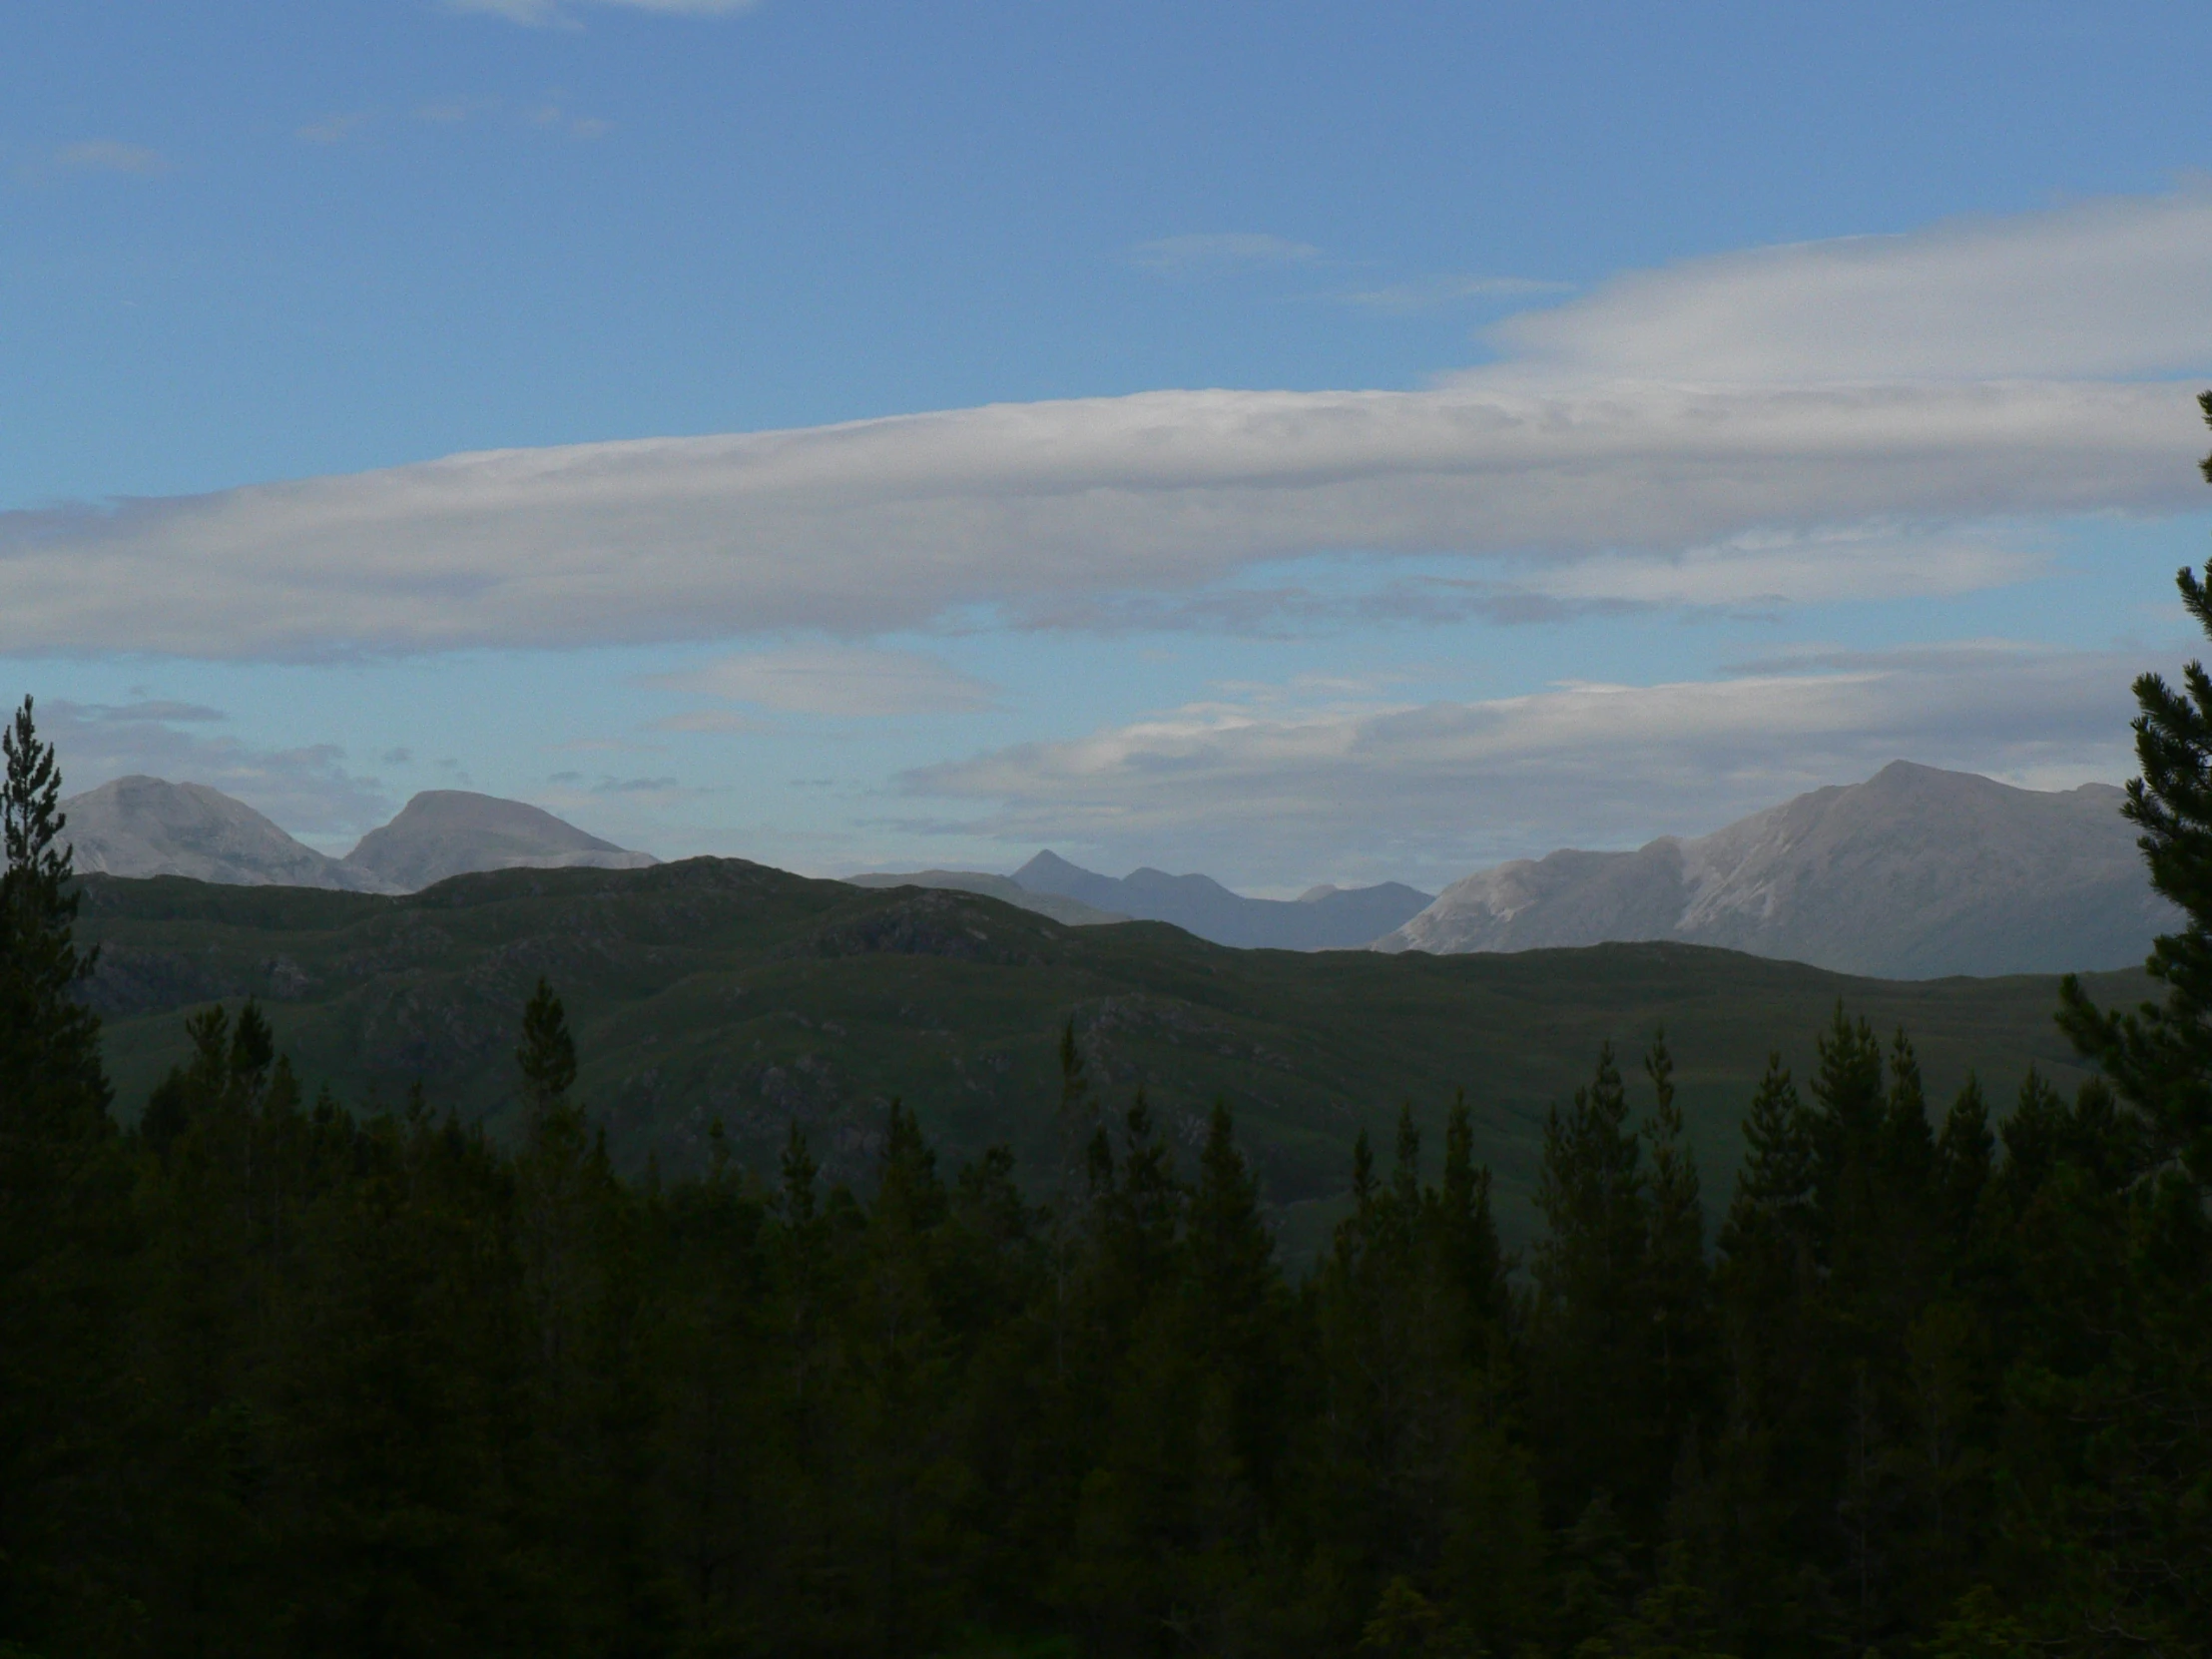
{"x": 368, "y": 1383}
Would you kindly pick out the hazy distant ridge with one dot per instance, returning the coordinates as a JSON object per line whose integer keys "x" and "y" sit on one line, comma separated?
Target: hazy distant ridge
{"x": 1073, "y": 911}
{"x": 144, "y": 827}
{"x": 1915, "y": 873}
{"x": 446, "y": 833}
{"x": 1326, "y": 919}
{"x": 148, "y": 827}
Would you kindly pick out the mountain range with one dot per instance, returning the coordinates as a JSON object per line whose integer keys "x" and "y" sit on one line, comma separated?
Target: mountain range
{"x": 1915, "y": 873}
{"x": 1322, "y": 918}
{"x": 139, "y": 826}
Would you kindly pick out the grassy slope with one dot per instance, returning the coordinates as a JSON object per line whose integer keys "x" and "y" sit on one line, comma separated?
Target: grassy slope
{"x": 715, "y": 988}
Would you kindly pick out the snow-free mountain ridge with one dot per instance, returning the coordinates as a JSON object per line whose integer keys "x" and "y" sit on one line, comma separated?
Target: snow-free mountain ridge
{"x": 1326, "y": 919}
{"x": 1915, "y": 873}
{"x": 149, "y": 826}
{"x": 445, "y": 833}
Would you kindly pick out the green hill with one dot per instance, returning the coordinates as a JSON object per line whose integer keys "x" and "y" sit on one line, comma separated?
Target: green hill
{"x": 718, "y": 989}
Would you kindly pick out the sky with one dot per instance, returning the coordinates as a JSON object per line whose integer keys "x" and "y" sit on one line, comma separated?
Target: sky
{"x": 1298, "y": 443}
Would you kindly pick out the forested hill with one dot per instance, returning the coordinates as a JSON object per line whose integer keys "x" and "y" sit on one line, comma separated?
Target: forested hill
{"x": 716, "y": 990}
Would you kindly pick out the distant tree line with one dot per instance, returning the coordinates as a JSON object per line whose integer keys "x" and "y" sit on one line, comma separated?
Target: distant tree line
{"x": 277, "y": 1378}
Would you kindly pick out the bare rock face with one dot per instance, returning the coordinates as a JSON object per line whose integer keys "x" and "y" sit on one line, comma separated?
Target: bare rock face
{"x": 1913, "y": 875}
{"x": 148, "y": 827}
{"x": 445, "y": 833}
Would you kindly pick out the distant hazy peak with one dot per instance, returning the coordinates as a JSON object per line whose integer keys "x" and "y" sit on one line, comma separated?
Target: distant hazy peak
{"x": 464, "y": 808}
{"x": 1917, "y": 871}
{"x": 1326, "y": 919}
{"x": 1048, "y": 867}
{"x": 141, "y": 827}
{"x": 446, "y": 833}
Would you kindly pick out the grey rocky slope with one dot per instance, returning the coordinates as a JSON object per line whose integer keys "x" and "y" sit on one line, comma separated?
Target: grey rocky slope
{"x": 1326, "y": 919}
{"x": 1915, "y": 873}
{"x": 1071, "y": 911}
{"x": 445, "y": 833}
{"x": 149, "y": 826}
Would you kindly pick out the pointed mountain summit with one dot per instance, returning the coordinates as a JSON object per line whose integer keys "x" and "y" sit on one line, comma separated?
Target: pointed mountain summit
{"x": 141, "y": 825}
{"x": 1050, "y": 874}
{"x": 1913, "y": 875}
{"x": 1326, "y": 919}
{"x": 446, "y": 833}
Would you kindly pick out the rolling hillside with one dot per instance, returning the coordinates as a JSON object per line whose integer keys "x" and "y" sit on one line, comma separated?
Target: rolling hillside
{"x": 715, "y": 988}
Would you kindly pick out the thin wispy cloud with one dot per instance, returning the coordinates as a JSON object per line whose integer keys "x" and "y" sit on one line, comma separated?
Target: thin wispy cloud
{"x": 1217, "y": 251}
{"x": 835, "y": 679}
{"x": 554, "y": 116}
{"x": 309, "y": 789}
{"x": 1574, "y": 475}
{"x": 557, "y": 13}
{"x": 110, "y": 155}
{"x": 714, "y": 721}
{"x": 1429, "y": 293}
{"x": 332, "y": 129}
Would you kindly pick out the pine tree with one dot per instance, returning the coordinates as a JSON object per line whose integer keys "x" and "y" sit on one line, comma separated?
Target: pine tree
{"x": 1590, "y": 1333}
{"x": 62, "y": 1217}
{"x": 50, "y": 1068}
{"x": 547, "y": 1057}
{"x": 1963, "y": 1151}
{"x": 1474, "y": 1264}
{"x": 1679, "y": 1289}
{"x": 2159, "y": 1055}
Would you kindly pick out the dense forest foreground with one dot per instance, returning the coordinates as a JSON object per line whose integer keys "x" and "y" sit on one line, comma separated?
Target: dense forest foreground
{"x": 281, "y": 1377}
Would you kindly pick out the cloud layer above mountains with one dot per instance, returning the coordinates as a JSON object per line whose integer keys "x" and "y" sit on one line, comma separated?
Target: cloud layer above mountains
{"x": 1441, "y": 786}
{"x": 1706, "y": 419}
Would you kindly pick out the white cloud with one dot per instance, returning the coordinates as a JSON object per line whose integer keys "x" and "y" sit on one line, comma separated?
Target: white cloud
{"x": 1580, "y": 474}
{"x": 2118, "y": 286}
{"x": 832, "y": 680}
{"x": 1216, "y": 251}
{"x": 890, "y": 524}
{"x": 1255, "y": 791}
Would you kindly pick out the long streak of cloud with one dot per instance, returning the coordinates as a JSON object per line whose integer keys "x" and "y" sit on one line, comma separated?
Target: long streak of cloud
{"x": 1716, "y": 405}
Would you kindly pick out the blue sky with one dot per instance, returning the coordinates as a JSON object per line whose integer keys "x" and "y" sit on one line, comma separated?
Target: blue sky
{"x": 1340, "y": 443}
